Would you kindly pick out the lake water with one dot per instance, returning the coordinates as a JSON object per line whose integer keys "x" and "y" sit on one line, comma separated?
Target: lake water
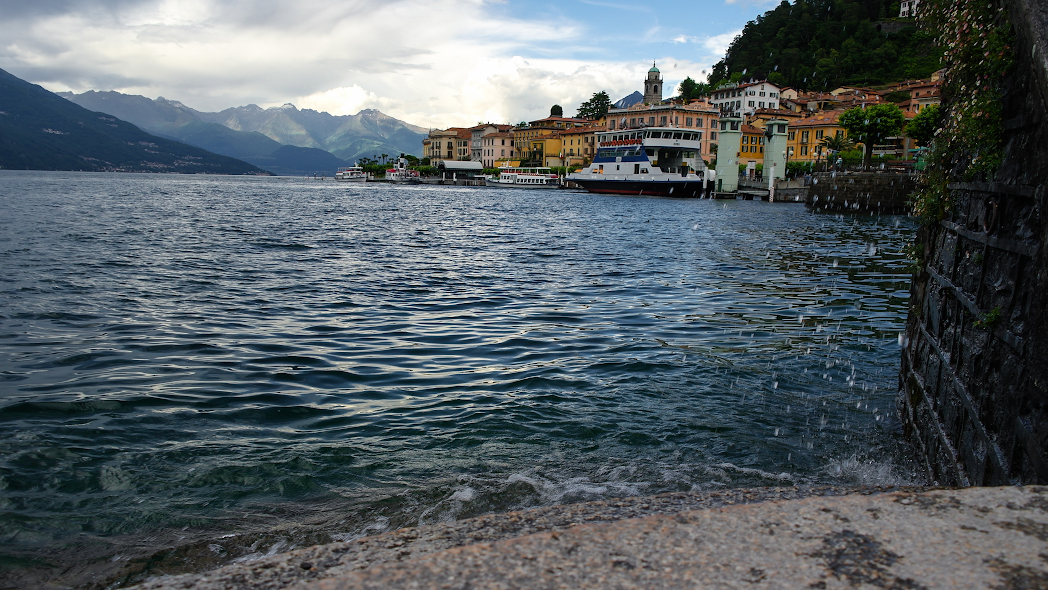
{"x": 294, "y": 361}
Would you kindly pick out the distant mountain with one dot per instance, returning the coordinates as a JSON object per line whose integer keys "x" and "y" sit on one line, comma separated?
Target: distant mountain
{"x": 40, "y": 130}
{"x": 254, "y": 134}
{"x": 291, "y": 160}
{"x": 369, "y": 133}
{"x": 628, "y": 101}
{"x": 174, "y": 120}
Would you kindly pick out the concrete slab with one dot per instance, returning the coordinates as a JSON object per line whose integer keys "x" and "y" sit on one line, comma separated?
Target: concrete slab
{"x": 908, "y": 539}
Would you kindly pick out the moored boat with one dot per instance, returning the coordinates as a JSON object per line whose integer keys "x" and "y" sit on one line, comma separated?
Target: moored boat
{"x": 524, "y": 178}
{"x": 351, "y": 174}
{"x": 401, "y": 174}
{"x": 646, "y": 161}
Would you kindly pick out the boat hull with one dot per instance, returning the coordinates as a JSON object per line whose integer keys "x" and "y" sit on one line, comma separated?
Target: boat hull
{"x": 495, "y": 183}
{"x": 354, "y": 179}
{"x": 683, "y": 188}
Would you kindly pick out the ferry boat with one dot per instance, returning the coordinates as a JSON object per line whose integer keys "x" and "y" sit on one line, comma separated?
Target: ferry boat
{"x": 351, "y": 174}
{"x": 401, "y": 174}
{"x": 646, "y": 161}
{"x": 524, "y": 178}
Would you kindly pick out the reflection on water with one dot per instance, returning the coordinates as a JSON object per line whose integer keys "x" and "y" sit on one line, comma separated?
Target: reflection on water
{"x": 183, "y": 357}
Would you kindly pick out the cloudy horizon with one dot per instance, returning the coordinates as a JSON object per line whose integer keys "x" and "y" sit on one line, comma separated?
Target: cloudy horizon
{"x": 434, "y": 64}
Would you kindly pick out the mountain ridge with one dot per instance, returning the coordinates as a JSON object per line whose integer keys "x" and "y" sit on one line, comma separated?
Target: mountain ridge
{"x": 369, "y": 133}
{"x": 40, "y": 130}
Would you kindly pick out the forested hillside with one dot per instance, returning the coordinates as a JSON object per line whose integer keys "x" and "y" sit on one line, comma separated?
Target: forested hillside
{"x": 823, "y": 44}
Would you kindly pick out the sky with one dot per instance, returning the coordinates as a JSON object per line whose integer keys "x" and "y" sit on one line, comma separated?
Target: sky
{"x": 435, "y": 64}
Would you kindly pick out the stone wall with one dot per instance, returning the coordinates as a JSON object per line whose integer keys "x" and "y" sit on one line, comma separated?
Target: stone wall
{"x": 974, "y": 374}
{"x": 862, "y": 192}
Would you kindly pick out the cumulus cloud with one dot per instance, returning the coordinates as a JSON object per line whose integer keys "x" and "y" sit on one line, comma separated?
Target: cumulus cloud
{"x": 433, "y": 63}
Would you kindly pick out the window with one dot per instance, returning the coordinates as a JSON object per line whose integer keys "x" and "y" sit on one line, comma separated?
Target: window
{"x": 662, "y": 120}
{"x": 745, "y": 140}
{"x": 818, "y": 134}
{"x": 762, "y": 105}
{"x": 791, "y": 135}
{"x": 651, "y": 120}
{"x": 713, "y": 136}
{"x": 804, "y": 136}
{"x": 745, "y": 148}
{"x": 804, "y": 150}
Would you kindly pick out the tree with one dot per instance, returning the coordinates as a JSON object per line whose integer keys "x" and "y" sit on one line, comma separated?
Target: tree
{"x": 922, "y": 128}
{"x": 871, "y": 125}
{"x": 689, "y": 90}
{"x": 596, "y": 107}
{"x": 837, "y": 143}
{"x": 556, "y": 111}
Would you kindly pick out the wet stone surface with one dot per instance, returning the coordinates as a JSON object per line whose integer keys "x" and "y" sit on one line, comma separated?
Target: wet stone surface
{"x": 764, "y": 538}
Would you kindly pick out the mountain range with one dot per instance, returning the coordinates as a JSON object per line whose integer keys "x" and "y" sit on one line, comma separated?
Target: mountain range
{"x": 628, "y": 101}
{"x": 41, "y": 131}
{"x": 285, "y": 140}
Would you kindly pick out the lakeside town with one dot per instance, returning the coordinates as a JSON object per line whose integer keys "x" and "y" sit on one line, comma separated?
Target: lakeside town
{"x": 814, "y": 131}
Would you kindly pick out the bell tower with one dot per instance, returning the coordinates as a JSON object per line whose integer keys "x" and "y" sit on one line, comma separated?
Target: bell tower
{"x": 653, "y": 86}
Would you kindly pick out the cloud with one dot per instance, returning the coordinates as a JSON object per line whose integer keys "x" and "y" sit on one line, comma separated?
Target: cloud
{"x": 718, "y": 44}
{"x": 432, "y": 63}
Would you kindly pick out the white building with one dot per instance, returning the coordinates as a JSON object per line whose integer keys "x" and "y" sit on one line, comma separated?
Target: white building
{"x": 908, "y": 8}
{"x": 745, "y": 99}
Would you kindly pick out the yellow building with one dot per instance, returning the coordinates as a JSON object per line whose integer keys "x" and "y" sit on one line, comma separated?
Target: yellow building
{"x": 540, "y": 140}
{"x": 805, "y": 136}
{"x": 446, "y": 144}
{"x": 579, "y": 145}
{"x": 752, "y": 148}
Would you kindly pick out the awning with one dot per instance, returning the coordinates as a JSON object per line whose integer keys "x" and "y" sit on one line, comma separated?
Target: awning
{"x": 460, "y": 166}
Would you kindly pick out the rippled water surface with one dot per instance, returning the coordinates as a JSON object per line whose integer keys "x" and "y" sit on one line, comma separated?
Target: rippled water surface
{"x": 182, "y": 357}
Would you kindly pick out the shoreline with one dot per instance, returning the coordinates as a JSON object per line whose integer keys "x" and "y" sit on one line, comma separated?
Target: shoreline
{"x": 335, "y": 561}
{"x": 827, "y": 537}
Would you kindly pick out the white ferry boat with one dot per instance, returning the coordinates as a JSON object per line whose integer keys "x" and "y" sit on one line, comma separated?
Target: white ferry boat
{"x": 401, "y": 174}
{"x": 524, "y": 178}
{"x": 351, "y": 174}
{"x": 646, "y": 161}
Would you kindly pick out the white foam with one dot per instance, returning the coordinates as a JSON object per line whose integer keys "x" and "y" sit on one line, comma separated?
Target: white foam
{"x": 784, "y": 477}
{"x": 868, "y": 472}
{"x": 466, "y": 494}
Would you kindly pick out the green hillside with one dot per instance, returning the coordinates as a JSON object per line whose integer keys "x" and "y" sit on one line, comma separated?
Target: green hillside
{"x": 823, "y": 44}
{"x": 40, "y": 130}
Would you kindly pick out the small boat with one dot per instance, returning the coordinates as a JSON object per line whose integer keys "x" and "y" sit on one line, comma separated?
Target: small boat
{"x": 401, "y": 174}
{"x": 646, "y": 161}
{"x": 351, "y": 174}
{"x": 524, "y": 178}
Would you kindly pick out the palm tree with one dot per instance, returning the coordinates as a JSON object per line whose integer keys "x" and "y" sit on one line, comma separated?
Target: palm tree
{"x": 837, "y": 143}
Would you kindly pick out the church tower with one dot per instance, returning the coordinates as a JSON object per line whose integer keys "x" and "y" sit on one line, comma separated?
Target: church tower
{"x": 653, "y": 86}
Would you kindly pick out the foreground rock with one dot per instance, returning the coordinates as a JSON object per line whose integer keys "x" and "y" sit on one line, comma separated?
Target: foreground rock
{"x": 906, "y": 539}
